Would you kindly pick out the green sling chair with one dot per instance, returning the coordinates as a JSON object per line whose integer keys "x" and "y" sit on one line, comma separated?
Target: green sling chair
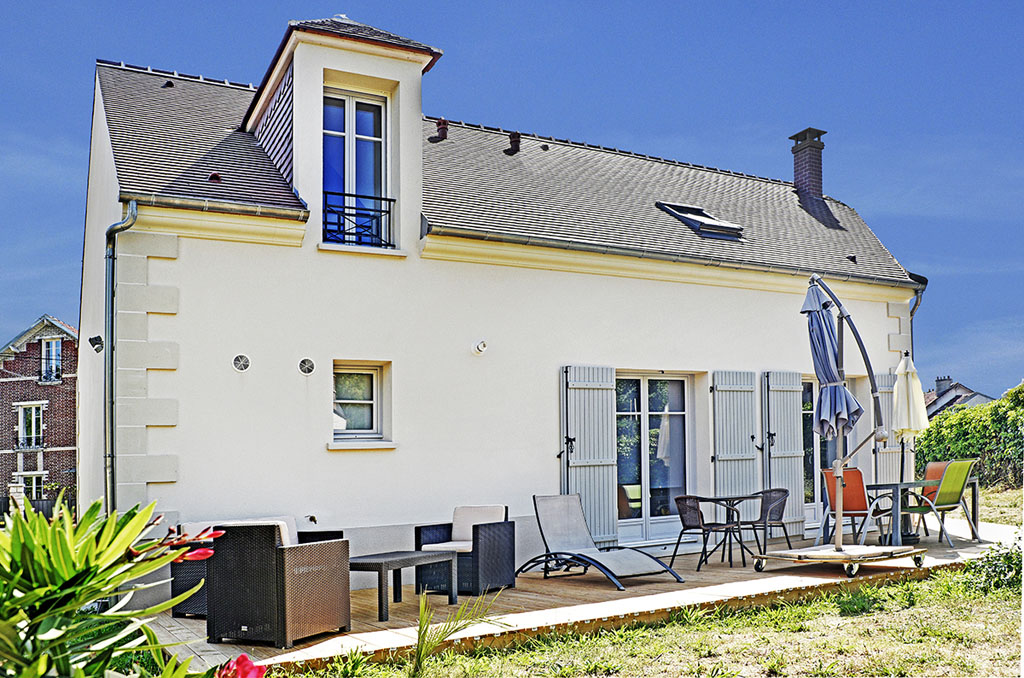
{"x": 948, "y": 497}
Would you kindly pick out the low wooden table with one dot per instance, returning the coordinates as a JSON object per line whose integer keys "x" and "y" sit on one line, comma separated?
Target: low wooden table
{"x": 395, "y": 561}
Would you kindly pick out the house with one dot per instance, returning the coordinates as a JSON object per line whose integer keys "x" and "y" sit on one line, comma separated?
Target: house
{"x": 331, "y": 306}
{"x": 38, "y": 449}
{"x": 948, "y": 393}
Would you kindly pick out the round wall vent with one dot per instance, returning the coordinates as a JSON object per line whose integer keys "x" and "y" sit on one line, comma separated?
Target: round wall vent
{"x": 240, "y": 362}
{"x": 306, "y": 366}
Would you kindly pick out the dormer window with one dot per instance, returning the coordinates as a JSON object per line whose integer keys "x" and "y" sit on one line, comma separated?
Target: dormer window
{"x": 705, "y": 224}
{"x": 356, "y": 209}
{"x": 50, "y": 367}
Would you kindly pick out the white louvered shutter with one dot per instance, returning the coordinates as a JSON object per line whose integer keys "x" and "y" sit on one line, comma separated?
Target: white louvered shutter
{"x": 735, "y": 456}
{"x": 782, "y": 394}
{"x": 590, "y": 419}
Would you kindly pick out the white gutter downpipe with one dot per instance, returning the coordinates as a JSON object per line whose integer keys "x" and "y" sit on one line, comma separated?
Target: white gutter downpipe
{"x": 109, "y": 366}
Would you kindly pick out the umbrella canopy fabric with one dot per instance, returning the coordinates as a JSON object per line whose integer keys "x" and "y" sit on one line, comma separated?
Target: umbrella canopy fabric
{"x": 836, "y": 411}
{"x": 910, "y": 415}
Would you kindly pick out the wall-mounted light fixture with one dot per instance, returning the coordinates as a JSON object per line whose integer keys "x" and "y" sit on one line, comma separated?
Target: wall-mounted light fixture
{"x": 96, "y": 343}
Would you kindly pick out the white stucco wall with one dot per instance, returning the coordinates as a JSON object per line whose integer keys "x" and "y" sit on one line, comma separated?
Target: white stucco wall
{"x": 102, "y": 210}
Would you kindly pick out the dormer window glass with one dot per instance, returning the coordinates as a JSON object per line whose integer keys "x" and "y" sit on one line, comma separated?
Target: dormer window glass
{"x": 356, "y": 208}
{"x": 50, "y": 369}
{"x": 704, "y": 224}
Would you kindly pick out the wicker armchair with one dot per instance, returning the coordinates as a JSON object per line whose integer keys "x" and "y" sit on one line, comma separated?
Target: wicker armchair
{"x": 261, "y": 588}
{"x": 485, "y": 539}
{"x": 773, "y": 507}
{"x": 188, "y": 573}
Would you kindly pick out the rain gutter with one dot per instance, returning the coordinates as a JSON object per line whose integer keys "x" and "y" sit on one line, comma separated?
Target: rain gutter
{"x": 218, "y": 206}
{"x": 918, "y": 298}
{"x": 109, "y": 397}
{"x": 495, "y": 236}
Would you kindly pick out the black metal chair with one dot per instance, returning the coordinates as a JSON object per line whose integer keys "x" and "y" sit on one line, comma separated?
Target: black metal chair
{"x": 693, "y": 521}
{"x": 487, "y": 550}
{"x": 773, "y": 506}
{"x": 260, "y": 589}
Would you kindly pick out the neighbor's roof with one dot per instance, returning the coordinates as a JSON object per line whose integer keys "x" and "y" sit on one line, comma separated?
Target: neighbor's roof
{"x": 579, "y": 195}
{"x": 13, "y": 346}
{"x": 169, "y": 140}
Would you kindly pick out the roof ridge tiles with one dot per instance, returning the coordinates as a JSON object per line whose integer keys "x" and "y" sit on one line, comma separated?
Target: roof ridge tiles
{"x": 618, "y": 151}
{"x": 223, "y": 82}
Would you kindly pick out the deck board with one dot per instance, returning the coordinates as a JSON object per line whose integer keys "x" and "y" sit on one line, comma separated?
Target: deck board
{"x": 589, "y": 601}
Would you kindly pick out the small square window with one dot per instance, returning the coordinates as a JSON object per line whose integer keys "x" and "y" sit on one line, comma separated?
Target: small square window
{"x": 357, "y": 402}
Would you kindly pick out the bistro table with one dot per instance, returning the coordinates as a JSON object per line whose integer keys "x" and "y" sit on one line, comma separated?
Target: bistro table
{"x": 729, "y": 503}
{"x": 395, "y": 561}
{"x": 898, "y": 488}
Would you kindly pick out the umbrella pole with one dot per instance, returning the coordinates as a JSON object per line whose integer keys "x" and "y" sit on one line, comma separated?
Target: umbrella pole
{"x": 840, "y": 461}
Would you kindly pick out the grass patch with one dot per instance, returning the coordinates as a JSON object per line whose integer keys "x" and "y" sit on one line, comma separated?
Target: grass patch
{"x": 946, "y": 625}
{"x": 1000, "y": 505}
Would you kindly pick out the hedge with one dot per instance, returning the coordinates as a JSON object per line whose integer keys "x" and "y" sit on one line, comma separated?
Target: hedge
{"x": 993, "y": 433}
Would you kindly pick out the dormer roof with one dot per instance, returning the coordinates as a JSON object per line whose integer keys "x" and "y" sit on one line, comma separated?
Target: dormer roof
{"x": 343, "y": 27}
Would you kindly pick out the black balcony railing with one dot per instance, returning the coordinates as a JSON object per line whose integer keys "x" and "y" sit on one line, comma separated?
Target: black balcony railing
{"x": 28, "y": 442}
{"x": 50, "y": 370}
{"x": 351, "y": 219}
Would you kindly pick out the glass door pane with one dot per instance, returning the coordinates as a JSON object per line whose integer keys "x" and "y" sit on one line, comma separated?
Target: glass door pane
{"x": 627, "y": 419}
{"x": 666, "y": 444}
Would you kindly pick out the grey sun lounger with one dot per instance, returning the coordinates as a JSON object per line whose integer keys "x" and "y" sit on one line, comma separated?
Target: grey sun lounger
{"x": 569, "y": 544}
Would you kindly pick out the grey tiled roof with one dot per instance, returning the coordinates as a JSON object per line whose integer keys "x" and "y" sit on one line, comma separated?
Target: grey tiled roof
{"x": 169, "y": 140}
{"x": 345, "y": 27}
{"x": 605, "y": 199}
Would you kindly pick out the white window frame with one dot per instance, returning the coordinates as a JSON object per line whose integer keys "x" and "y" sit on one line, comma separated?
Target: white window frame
{"x": 39, "y": 437}
{"x": 376, "y": 403}
{"x": 54, "y": 354}
{"x": 351, "y": 99}
{"x": 647, "y": 522}
{"x": 37, "y": 488}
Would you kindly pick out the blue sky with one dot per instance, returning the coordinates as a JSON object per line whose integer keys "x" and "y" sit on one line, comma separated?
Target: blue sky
{"x": 921, "y": 102}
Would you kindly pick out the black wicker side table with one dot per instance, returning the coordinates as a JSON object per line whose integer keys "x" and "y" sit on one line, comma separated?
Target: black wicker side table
{"x": 395, "y": 561}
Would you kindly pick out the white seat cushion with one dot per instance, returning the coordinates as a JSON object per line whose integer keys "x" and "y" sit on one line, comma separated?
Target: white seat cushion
{"x": 460, "y": 546}
{"x": 468, "y": 516}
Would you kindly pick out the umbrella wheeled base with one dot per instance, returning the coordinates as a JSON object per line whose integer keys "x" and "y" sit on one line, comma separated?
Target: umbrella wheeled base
{"x": 850, "y": 557}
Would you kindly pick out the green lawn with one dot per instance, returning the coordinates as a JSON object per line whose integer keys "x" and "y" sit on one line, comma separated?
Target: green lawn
{"x": 1001, "y": 506}
{"x": 938, "y": 627}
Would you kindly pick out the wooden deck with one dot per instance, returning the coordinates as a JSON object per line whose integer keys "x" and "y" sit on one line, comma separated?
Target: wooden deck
{"x": 538, "y": 606}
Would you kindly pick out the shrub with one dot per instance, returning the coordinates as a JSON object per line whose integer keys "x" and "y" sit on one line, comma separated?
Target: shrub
{"x": 992, "y": 433}
{"x": 998, "y": 568}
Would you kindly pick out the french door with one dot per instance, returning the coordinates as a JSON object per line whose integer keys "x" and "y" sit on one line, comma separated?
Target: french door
{"x": 818, "y": 454}
{"x": 651, "y": 447}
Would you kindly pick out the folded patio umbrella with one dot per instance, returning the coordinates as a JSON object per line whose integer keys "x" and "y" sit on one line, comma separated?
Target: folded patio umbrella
{"x": 836, "y": 411}
{"x": 910, "y": 415}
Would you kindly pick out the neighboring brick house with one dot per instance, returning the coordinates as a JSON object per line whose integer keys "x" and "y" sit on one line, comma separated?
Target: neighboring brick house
{"x": 38, "y": 370}
{"x": 948, "y": 393}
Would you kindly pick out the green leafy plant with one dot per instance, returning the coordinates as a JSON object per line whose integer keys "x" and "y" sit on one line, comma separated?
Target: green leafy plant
{"x": 353, "y": 665}
{"x": 992, "y": 433}
{"x": 998, "y": 568}
{"x": 55, "y": 576}
{"x": 429, "y": 637}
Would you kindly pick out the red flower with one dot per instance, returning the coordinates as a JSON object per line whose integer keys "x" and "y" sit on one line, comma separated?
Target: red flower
{"x": 241, "y": 667}
{"x": 198, "y": 554}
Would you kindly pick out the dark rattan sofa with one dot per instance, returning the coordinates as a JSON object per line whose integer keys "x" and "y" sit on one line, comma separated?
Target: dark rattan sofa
{"x": 487, "y": 550}
{"x": 262, "y": 588}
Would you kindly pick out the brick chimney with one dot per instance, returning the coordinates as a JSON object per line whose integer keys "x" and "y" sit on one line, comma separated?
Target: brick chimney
{"x": 807, "y": 147}
{"x": 942, "y": 384}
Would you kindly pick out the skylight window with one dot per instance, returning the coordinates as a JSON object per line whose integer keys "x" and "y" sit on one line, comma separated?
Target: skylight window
{"x": 706, "y": 225}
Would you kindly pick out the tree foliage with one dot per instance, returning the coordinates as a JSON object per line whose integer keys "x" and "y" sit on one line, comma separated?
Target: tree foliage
{"x": 992, "y": 433}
